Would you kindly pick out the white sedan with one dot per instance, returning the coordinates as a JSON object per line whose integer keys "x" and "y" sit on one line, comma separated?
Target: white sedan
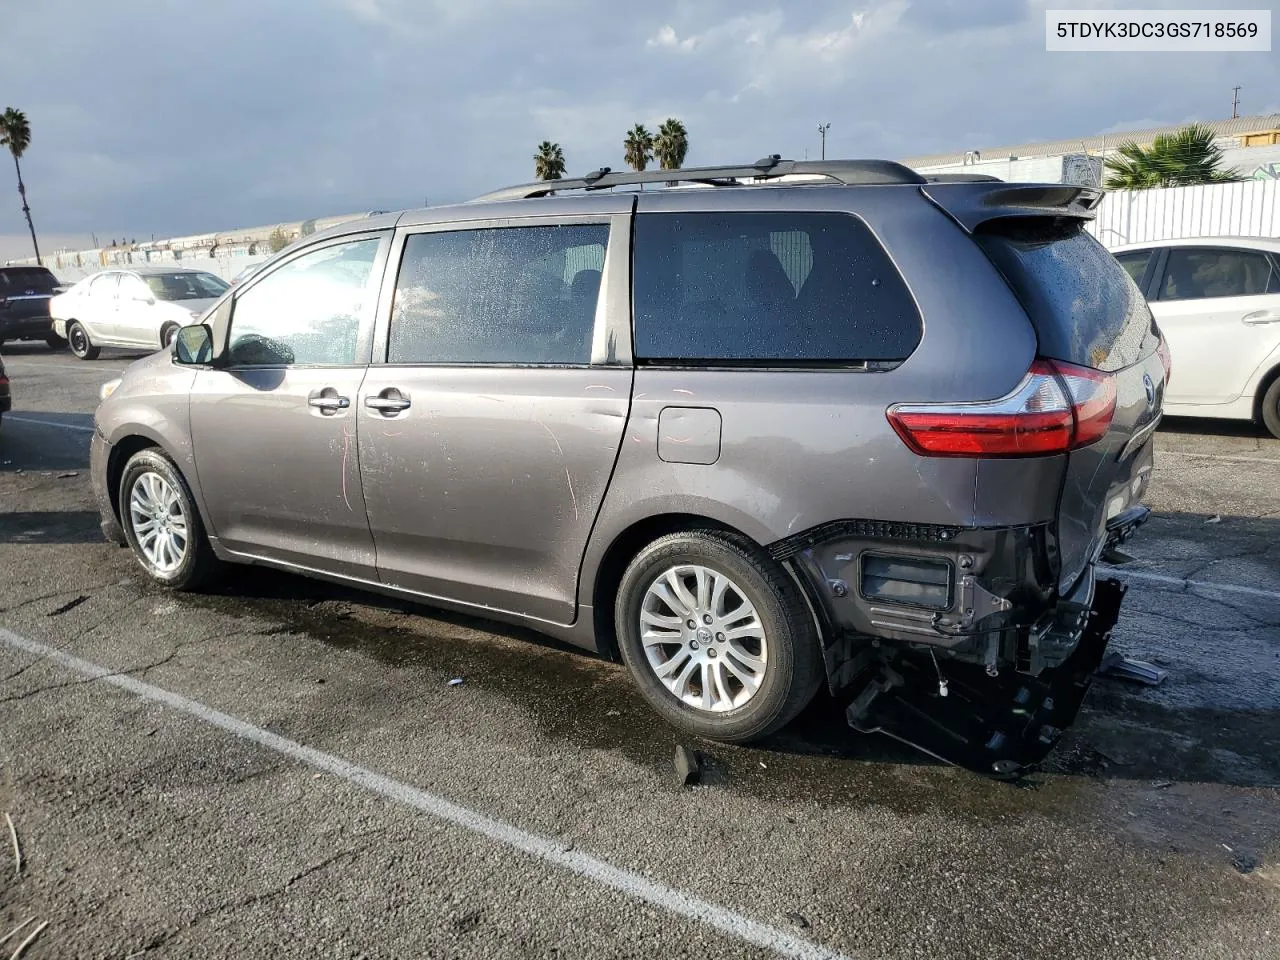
{"x": 1217, "y": 301}
{"x": 138, "y": 307}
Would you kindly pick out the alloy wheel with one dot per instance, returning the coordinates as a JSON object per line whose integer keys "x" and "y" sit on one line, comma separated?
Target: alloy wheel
{"x": 703, "y": 638}
{"x": 159, "y": 522}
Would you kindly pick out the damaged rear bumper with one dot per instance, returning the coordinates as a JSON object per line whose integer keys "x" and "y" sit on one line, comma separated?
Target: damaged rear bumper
{"x": 956, "y": 640}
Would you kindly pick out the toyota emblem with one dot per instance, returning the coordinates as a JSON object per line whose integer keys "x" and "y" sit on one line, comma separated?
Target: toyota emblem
{"x": 1150, "y": 386}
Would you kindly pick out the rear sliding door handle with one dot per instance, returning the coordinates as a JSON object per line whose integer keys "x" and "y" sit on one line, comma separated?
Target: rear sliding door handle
{"x": 389, "y": 402}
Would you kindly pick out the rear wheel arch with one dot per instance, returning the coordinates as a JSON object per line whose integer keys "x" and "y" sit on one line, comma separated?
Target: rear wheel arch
{"x": 624, "y": 548}
{"x": 1266, "y": 407}
{"x": 1268, "y": 378}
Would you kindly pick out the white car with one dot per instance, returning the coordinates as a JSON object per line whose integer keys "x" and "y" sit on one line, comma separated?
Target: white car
{"x": 1217, "y": 301}
{"x": 138, "y": 307}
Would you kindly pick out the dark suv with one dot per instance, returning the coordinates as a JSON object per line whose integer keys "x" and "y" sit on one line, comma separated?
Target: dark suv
{"x": 25, "y": 293}
{"x": 789, "y": 423}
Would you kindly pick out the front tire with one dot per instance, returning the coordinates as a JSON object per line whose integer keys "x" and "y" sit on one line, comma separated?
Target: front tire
{"x": 161, "y": 523}
{"x": 1271, "y": 408}
{"x": 167, "y": 333}
{"x": 718, "y": 638}
{"x": 81, "y": 345}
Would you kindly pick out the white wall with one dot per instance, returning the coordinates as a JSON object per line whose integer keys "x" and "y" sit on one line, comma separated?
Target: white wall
{"x": 1249, "y": 208}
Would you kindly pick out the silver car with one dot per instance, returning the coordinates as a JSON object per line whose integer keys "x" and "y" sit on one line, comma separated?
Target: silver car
{"x": 138, "y": 307}
{"x": 873, "y": 432}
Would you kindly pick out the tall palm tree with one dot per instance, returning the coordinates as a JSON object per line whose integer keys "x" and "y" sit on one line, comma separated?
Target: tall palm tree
{"x": 638, "y": 147}
{"x": 15, "y": 133}
{"x": 1180, "y": 159}
{"x": 671, "y": 145}
{"x": 548, "y": 162}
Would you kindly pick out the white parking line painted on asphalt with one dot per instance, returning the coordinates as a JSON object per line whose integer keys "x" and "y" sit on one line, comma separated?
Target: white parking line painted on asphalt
{"x": 1198, "y": 584}
{"x": 10, "y": 418}
{"x": 547, "y": 849}
{"x": 1216, "y": 456}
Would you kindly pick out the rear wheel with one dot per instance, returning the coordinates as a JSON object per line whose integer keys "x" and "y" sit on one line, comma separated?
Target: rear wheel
{"x": 717, "y": 636}
{"x": 80, "y": 343}
{"x": 1271, "y": 408}
{"x": 161, "y": 523}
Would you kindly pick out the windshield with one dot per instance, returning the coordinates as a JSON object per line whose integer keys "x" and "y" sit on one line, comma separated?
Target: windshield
{"x": 185, "y": 286}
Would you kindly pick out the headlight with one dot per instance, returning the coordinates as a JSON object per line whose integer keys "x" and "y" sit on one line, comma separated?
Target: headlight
{"x": 108, "y": 388}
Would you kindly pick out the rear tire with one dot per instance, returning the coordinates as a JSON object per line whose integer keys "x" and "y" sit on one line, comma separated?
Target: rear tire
{"x": 761, "y": 669}
{"x": 1271, "y": 408}
{"x": 162, "y": 525}
{"x": 80, "y": 343}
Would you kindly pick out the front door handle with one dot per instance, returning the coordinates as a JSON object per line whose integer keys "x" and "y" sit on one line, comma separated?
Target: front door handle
{"x": 1261, "y": 316}
{"x": 327, "y": 401}
{"x": 389, "y": 402}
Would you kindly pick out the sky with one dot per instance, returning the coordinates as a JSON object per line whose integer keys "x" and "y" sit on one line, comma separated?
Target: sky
{"x": 173, "y": 117}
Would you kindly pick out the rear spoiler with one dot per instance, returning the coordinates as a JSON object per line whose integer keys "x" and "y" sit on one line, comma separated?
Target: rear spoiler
{"x": 972, "y": 203}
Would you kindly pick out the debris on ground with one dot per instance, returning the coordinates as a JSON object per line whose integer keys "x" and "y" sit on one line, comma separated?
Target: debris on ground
{"x": 798, "y": 919}
{"x": 1244, "y": 863}
{"x": 1139, "y": 671}
{"x": 68, "y": 475}
{"x": 17, "y": 847}
{"x": 1161, "y": 784}
{"x": 613, "y": 713}
{"x": 456, "y": 682}
{"x": 1216, "y": 518}
{"x": 688, "y": 766}
{"x": 14, "y": 932}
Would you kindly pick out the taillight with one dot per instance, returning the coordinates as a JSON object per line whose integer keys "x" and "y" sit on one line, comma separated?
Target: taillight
{"x": 1166, "y": 358}
{"x": 1057, "y": 407}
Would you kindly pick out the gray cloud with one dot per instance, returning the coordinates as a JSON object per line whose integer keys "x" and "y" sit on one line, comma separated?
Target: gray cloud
{"x": 184, "y": 116}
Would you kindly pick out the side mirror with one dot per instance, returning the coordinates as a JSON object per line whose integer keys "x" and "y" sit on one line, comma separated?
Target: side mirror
{"x": 193, "y": 344}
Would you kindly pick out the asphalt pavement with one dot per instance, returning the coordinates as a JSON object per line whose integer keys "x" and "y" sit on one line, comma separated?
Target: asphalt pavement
{"x": 279, "y": 768}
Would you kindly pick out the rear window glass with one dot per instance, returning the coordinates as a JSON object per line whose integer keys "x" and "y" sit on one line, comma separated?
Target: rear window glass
{"x": 1084, "y": 306}
{"x": 28, "y": 278}
{"x": 768, "y": 288}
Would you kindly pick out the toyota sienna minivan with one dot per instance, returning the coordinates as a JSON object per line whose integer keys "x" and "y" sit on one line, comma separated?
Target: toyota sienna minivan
{"x": 779, "y": 425}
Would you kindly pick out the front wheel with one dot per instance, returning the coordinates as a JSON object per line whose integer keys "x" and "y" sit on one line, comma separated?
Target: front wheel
{"x": 81, "y": 345}
{"x": 162, "y": 524}
{"x": 717, "y": 636}
{"x": 1271, "y": 408}
{"x": 167, "y": 333}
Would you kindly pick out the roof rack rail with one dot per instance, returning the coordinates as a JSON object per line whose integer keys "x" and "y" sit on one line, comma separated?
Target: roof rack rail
{"x": 848, "y": 172}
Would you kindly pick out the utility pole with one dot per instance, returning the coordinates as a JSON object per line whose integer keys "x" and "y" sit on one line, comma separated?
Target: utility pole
{"x": 822, "y": 130}
{"x": 1235, "y": 103}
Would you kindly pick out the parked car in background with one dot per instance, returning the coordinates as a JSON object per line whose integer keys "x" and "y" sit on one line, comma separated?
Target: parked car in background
{"x": 246, "y": 273}
{"x": 1217, "y": 300}
{"x": 874, "y": 432}
{"x": 25, "y": 293}
{"x": 138, "y": 307}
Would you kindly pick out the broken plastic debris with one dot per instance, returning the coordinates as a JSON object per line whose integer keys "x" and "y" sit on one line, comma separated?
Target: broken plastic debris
{"x": 455, "y": 682}
{"x": 1216, "y": 518}
{"x": 1122, "y": 668}
{"x": 68, "y": 475}
{"x": 688, "y": 766}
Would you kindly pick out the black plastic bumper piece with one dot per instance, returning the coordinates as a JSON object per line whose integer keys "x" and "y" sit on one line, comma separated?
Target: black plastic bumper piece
{"x": 997, "y": 725}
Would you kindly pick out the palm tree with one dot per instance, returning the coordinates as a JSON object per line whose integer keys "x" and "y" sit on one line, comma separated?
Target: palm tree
{"x": 548, "y": 162}
{"x": 15, "y": 133}
{"x": 671, "y": 145}
{"x": 638, "y": 147}
{"x": 1180, "y": 159}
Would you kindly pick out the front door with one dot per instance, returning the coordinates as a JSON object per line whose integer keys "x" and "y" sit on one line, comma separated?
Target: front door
{"x": 488, "y": 436}
{"x": 1219, "y": 308}
{"x": 274, "y": 431}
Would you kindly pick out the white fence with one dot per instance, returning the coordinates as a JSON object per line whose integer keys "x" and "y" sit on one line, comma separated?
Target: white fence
{"x": 1248, "y": 208}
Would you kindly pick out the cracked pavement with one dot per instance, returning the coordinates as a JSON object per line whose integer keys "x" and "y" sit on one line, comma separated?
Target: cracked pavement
{"x": 147, "y": 832}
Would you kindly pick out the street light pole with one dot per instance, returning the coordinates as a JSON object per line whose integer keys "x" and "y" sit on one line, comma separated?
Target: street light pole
{"x": 822, "y": 130}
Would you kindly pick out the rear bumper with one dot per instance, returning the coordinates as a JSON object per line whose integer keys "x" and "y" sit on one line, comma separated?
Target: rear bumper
{"x": 99, "y": 459}
{"x": 24, "y": 327}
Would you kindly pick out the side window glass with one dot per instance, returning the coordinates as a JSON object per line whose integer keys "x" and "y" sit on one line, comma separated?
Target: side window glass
{"x": 520, "y": 295}
{"x": 1135, "y": 264}
{"x": 104, "y": 286}
{"x": 1196, "y": 274}
{"x": 768, "y": 287}
{"x": 309, "y": 311}
{"x": 131, "y": 288}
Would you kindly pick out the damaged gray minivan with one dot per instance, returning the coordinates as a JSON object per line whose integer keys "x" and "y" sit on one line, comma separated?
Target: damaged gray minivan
{"x": 772, "y": 426}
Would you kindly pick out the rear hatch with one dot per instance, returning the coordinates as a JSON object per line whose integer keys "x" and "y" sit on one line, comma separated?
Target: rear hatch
{"x": 25, "y": 291}
{"x": 1088, "y": 313}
